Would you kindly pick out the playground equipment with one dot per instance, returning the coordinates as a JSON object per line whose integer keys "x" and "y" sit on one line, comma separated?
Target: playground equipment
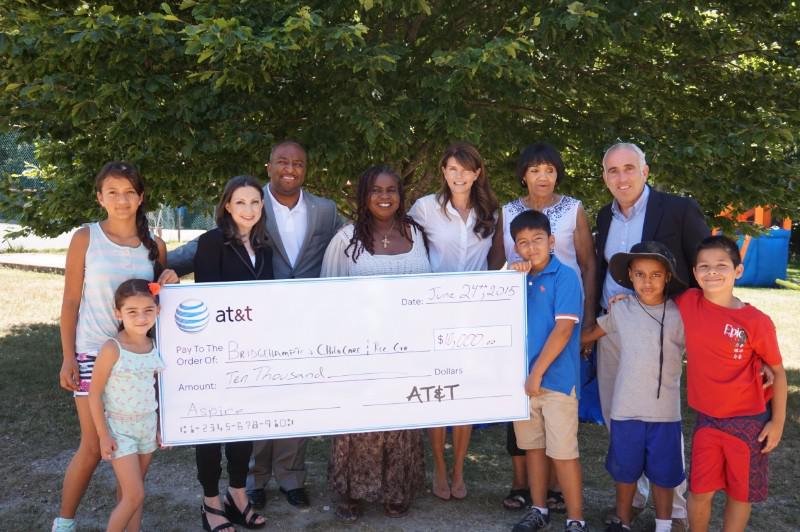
{"x": 765, "y": 257}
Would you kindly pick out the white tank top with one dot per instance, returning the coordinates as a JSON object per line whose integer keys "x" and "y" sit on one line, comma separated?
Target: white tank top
{"x": 106, "y": 266}
{"x": 563, "y": 219}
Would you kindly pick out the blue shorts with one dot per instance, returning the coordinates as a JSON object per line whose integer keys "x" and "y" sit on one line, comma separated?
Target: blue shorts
{"x": 652, "y": 448}
{"x": 134, "y": 434}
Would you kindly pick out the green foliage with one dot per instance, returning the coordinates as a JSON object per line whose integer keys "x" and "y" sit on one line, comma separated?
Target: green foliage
{"x": 195, "y": 92}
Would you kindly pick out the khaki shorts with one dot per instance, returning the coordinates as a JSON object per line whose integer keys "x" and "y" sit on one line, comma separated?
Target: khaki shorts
{"x": 553, "y": 425}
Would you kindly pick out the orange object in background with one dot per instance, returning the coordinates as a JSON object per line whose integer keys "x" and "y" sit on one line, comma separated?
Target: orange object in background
{"x": 757, "y": 216}
{"x": 765, "y": 257}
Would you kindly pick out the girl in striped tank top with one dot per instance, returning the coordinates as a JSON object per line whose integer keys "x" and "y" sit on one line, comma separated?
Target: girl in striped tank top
{"x": 100, "y": 257}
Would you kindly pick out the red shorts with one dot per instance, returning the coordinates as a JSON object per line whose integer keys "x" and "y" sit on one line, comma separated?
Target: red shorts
{"x": 726, "y": 454}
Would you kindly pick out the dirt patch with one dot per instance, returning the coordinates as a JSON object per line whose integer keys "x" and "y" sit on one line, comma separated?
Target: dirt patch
{"x": 173, "y": 495}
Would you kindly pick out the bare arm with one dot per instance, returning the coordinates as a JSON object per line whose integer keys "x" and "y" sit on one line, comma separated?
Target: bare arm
{"x": 497, "y": 253}
{"x": 109, "y": 354}
{"x": 773, "y": 431}
{"x": 553, "y": 347}
{"x": 587, "y": 261}
{"x": 70, "y": 304}
{"x": 592, "y": 333}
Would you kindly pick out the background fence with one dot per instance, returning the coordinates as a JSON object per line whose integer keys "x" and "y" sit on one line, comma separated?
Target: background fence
{"x": 16, "y": 155}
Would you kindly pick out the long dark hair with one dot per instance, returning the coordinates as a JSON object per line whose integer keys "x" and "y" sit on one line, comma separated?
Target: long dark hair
{"x": 481, "y": 197}
{"x": 129, "y": 172}
{"x": 129, "y": 288}
{"x": 258, "y": 234}
{"x": 362, "y": 227}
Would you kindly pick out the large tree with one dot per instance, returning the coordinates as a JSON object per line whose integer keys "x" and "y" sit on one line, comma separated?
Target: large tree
{"x": 196, "y": 92}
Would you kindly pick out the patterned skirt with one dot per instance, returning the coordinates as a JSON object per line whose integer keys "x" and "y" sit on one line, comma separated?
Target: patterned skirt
{"x": 388, "y": 467}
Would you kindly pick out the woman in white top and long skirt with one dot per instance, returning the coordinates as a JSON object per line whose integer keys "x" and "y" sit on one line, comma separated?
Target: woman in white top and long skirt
{"x": 459, "y": 221}
{"x": 388, "y": 466}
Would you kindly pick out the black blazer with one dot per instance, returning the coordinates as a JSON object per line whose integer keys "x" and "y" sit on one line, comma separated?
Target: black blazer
{"x": 675, "y": 221}
{"x": 219, "y": 260}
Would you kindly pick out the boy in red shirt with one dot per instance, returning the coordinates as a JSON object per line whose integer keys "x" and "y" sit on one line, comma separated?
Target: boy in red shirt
{"x": 727, "y": 341}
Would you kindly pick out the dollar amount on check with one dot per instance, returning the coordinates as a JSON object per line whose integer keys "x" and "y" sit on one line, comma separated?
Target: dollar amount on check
{"x": 277, "y": 359}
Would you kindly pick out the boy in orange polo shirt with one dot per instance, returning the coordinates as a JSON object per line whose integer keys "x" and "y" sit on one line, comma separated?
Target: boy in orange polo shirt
{"x": 738, "y": 423}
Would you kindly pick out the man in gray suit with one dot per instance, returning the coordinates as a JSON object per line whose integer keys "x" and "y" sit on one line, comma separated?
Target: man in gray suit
{"x": 300, "y": 225}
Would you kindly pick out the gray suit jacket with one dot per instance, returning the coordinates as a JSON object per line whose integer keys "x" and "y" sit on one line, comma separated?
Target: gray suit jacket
{"x": 323, "y": 222}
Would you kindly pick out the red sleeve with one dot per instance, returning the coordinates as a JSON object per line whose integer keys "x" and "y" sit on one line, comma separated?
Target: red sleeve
{"x": 685, "y": 299}
{"x": 765, "y": 344}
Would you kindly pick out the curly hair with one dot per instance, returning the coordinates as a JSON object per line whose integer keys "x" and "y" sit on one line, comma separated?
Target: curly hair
{"x": 363, "y": 225}
{"x": 481, "y": 197}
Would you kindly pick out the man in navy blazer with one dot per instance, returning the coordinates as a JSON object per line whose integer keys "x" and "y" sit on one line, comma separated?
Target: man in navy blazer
{"x": 299, "y": 225}
{"x": 639, "y": 213}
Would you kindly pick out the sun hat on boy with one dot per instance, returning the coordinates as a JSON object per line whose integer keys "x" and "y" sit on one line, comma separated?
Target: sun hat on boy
{"x": 620, "y": 262}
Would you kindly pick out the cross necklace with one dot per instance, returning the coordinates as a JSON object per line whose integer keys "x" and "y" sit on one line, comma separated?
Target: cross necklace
{"x": 385, "y": 240}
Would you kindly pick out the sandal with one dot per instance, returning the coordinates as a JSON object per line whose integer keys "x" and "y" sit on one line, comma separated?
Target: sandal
{"x": 441, "y": 491}
{"x": 348, "y": 512}
{"x": 459, "y": 491}
{"x": 555, "y": 502}
{"x": 395, "y": 510}
{"x": 517, "y": 499}
{"x": 239, "y": 517}
{"x": 206, "y": 509}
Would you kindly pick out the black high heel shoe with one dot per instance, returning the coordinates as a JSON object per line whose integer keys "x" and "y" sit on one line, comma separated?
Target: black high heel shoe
{"x": 239, "y": 517}
{"x": 206, "y": 509}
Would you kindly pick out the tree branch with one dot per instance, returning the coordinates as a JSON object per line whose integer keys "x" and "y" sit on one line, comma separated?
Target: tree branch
{"x": 420, "y": 154}
{"x": 413, "y": 29}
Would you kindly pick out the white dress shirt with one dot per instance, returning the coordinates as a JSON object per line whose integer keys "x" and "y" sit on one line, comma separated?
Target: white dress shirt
{"x": 453, "y": 244}
{"x": 292, "y": 224}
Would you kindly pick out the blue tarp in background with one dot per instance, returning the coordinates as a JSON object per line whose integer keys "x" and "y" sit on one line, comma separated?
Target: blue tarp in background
{"x": 765, "y": 259}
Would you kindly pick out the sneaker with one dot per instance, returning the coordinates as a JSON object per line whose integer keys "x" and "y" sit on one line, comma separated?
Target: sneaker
{"x": 575, "y": 526}
{"x": 62, "y": 524}
{"x": 680, "y": 524}
{"x": 532, "y": 521}
{"x": 610, "y": 514}
{"x": 617, "y": 526}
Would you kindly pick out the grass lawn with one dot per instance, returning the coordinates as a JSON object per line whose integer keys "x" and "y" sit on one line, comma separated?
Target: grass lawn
{"x": 40, "y": 434}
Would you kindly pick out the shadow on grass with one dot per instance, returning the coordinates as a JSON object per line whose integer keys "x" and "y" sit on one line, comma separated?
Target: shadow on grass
{"x": 40, "y": 415}
{"x": 41, "y": 433}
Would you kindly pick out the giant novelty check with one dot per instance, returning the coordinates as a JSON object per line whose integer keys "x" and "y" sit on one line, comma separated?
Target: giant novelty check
{"x": 276, "y": 359}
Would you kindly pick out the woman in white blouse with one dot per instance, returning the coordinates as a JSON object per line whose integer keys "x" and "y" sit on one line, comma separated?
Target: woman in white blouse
{"x": 459, "y": 221}
{"x": 539, "y": 170}
{"x": 388, "y": 466}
